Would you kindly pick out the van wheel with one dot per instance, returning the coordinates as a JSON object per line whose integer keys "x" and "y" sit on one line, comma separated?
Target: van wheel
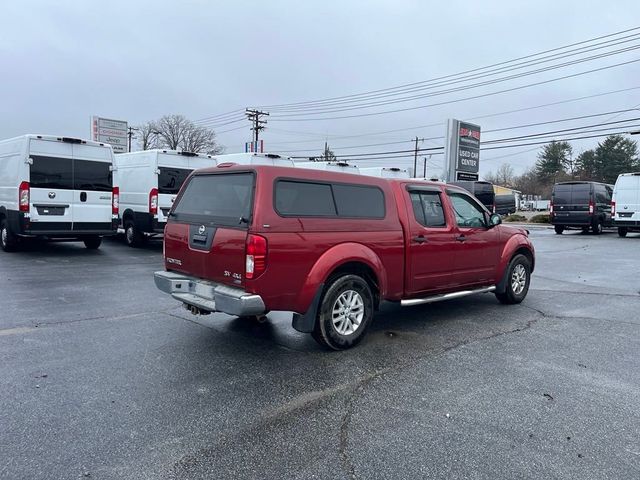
{"x": 93, "y": 242}
{"x": 518, "y": 277}
{"x": 597, "y": 227}
{"x": 8, "y": 241}
{"x": 132, "y": 235}
{"x": 559, "y": 229}
{"x": 622, "y": 231}
{"x": 345, "y": 313}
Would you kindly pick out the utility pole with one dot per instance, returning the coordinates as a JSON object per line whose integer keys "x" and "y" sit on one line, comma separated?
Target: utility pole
{"x": 415, "y": 160}
{"x": 326, "y": 152}
{"x": 254, "y": 116}
{"x": 130, "y": 135}
{"x": 424, "y": 173}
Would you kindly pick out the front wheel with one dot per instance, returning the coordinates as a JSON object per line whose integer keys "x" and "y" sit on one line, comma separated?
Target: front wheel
{"x": 559, "y": 229}
{"x": 8, "y": 241}
{"x": 93, "y": 242}
{"x": 518, "y": 277}
{"x": 345, "y": 313}
{"x": 622, "y": 231}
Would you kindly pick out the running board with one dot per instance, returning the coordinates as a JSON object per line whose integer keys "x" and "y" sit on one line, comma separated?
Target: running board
{"x": 444, "y": 296}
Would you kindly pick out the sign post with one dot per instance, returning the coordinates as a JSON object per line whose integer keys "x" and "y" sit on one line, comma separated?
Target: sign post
{"x": 462, "y": 151}
{"x": 113, "y": 132}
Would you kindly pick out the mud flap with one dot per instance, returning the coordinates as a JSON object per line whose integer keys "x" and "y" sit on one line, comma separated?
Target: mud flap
{"x": 306, "y": 322}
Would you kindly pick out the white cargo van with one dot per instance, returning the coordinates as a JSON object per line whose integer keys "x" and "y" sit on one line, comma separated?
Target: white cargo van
{"x": 148, "y": 182}
{"x": 343, "y": 167}
{"x": 254, "y": 159}
{"x": 625, "y": 203}
{"x": 385, "y": 172}
{"x": 56, "y": 188}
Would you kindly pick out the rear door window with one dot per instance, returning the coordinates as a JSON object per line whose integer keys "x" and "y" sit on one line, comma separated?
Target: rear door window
{"x": 580, "y": 194}
{"x": 225, "y": 200}
{"x": 92, "y": 175}
{"x": 51, "y": 172}
{"x": 428, "y": 210}
{"x": 171, "y": 179}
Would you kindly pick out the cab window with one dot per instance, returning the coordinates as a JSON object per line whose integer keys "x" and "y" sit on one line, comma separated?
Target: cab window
{"x": 467, "y": 212}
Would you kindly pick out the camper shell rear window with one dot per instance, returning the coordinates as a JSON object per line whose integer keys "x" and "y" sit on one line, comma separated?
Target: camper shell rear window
{"x": 217, "y": 199}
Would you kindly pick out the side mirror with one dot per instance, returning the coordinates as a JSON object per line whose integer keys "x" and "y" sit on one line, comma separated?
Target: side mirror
{"x": 494, "y": 220}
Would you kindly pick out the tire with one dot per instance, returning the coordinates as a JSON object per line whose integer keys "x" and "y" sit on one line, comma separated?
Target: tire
{"x": 132, "y": 236}
{"x": 559, "y": 229}
{"x": 345, "y": 313}
{"x": 8, "y": 241}
{"x": 518, "y": 276}
{"x": 597, "y": 227}
{"x": 622, "y": 231}
{"x": 93, "y": 242}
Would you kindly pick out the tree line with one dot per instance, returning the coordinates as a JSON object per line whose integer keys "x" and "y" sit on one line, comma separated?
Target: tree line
{"x": 556, "y": 162}
{"x": 176, "y": 132}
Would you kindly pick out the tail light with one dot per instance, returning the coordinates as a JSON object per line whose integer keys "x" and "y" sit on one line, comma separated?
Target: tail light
{"x": 153, "y": 201}
{"x": 590, "y": 207}
{"x": 115, "y": 201}
{"x": 23, "y": 197}
{"x": 256, "y": 260}
{"x": 613, "y": 209}
{"x": 550, "y": 207}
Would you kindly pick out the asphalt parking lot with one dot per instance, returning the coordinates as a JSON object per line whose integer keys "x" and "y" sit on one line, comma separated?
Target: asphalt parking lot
{"x": 102, "y": 376}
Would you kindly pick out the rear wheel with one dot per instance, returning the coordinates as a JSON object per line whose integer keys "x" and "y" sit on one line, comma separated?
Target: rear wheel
{"x": 132, "y": 235}
{"x": 518, "y": 277}
{"x": 597, "y": 227}
{"x": 345, "y": 313}
{"x": 93, "y": 242}
{"x": 8, "y": 241}
{"x": 559, "y": 229}
{"x": 622, "y": 231}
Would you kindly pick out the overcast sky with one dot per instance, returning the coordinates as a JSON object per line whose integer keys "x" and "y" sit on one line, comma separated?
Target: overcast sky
{"x": 64, "y": 61}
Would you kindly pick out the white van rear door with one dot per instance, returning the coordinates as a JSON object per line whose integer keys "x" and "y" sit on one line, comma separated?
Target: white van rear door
{"x": 93, "y": 187}
{"x": 51, "y": 184}
{"x": 628, "y": 197}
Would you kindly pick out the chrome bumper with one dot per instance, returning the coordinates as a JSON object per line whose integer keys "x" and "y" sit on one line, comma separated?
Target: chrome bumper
{"x": 209, "y": 296}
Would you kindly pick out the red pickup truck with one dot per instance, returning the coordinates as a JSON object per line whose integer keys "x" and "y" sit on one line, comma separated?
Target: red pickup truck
{"x": 331, "y": 246}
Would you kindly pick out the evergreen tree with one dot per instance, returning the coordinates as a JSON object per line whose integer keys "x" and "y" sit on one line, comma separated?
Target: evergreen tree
{"x": 553, "y": 161}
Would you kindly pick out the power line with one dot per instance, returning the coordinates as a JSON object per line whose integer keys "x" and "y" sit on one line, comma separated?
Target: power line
{"x": 463, "y": 99}
{"x": 255, "y": 117}
{"x": 360, "y": 104}
{"x": 464, "y": 72}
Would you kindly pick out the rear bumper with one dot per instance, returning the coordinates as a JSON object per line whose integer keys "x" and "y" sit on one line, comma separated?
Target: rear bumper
{"x": 209, "y": 296}
{"x": 626, "y": 223}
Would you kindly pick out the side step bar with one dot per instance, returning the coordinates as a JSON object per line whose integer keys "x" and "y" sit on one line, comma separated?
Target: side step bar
{"x": 445, "y": 296}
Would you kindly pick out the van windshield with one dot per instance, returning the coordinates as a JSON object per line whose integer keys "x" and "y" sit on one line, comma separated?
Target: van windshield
{"x": 171, "y": 179}
{"x": 216, "y": 199}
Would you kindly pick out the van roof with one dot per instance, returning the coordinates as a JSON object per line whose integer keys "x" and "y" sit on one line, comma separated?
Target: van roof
{"x": 170, "y": 152}
{"x": 59, "y": 138}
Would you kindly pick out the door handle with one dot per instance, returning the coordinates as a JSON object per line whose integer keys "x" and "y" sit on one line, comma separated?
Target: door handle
{"x": 83, "y": 196}
{"x": 419, "y": 239}
{"x": 461, "y": 238}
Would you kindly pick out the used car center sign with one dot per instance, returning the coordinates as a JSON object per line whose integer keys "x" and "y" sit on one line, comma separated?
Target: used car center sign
{"x": 113, "y": 132}
{"x": 462, "y": 150}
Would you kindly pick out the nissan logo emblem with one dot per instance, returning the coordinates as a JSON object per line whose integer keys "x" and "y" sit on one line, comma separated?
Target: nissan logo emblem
{"x": 202, "y": 229}
{"x": 52, "y": 195}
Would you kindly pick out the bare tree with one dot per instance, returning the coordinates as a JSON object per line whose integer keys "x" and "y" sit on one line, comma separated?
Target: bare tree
{"x": 147, "y": 136}
{"x": 505, "y": 175}
{"x": 176, "y": 132}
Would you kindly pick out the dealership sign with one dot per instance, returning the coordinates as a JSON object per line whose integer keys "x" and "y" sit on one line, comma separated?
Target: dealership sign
{"x": 113, "y": 132}
{"x": 462, "y": 150}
